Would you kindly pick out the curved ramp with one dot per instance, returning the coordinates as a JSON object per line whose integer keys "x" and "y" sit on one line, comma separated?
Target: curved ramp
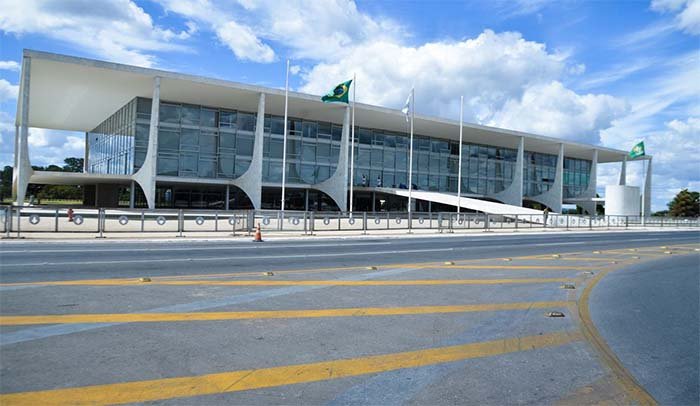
{"x": 466, "y": 202}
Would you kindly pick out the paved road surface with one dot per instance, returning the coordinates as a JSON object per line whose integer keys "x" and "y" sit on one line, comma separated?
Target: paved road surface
{"x": 356, "y": 321}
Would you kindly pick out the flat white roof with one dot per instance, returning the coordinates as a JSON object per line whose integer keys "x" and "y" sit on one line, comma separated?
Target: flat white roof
{"x": 77, "y": 94}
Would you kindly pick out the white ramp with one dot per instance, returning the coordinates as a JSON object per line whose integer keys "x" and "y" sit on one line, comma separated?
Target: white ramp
{"x": 466, "y": 202}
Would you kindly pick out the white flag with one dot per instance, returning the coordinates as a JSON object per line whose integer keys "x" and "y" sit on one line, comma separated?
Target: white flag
{"x": 406, "y": 107}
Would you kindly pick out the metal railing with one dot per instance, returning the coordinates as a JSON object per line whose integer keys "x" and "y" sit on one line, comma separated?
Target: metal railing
{"x": 17, "y": 220}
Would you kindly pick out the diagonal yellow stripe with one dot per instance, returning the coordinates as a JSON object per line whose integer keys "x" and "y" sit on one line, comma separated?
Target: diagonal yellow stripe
{"x": 272, "y": 314}
{"x": 234, "y": 381}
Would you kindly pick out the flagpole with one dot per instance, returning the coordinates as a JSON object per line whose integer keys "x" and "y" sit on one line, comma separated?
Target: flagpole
{"x": 644, "y": 189}
{"x": 459, "y": 171}
{"x": 352, "y": 144}
{"x": 410, "y": 154}
{"x": 284, "y": 137}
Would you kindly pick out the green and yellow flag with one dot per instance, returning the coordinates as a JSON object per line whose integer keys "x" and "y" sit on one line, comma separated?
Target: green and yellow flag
{"x": 339, "y": 94}
{"x": 637, "y": 150}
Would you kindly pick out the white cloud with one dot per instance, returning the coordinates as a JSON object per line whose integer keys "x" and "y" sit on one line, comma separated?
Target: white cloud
{"x": 551, "y": 109}
{"x": 8, "y": 91}
{"x": 506, "y": 80}
{"x": 311, "y": 29}
{"x": 9, "y": 65}
{"x": 687, "y": 13}
{"x": 243, "y": 42}
{"x": 117, "y": 30}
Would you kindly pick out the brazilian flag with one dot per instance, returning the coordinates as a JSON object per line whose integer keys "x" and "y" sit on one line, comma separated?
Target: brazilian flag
{"x": 339, "y": 94}
{"x": 637, "y": 150}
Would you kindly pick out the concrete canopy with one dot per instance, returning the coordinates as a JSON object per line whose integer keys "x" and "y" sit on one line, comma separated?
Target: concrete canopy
{"x": 76, "y": 94}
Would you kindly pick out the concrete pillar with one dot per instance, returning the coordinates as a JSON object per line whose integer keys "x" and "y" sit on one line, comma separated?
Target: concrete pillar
{"x": 23, "y": 168}
{"x": 590, "y": 206}
{"x": 146, "y": 175}
{"x": 337, "y": 185}
{"x": 251, "y": 181}
{"x": 554, "y": 196}
{"x": 513, "y": 194}
{"x": 132, "y": 195}
{"x": 646, "y": 197}
{"x": 623, "y": 172}
{"x": 228, "y": 197}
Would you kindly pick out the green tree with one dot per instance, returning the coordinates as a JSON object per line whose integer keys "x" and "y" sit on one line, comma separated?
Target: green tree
{"x": 6, "y": 183}
{"x": 685, "y": 204}
{"x": 73, "y": 165}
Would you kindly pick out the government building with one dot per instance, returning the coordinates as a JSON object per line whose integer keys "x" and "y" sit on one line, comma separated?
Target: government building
{"x": 158, "y": 139}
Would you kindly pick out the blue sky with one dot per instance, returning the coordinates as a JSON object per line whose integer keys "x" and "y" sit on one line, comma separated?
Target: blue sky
{"x": 602, "y": 72}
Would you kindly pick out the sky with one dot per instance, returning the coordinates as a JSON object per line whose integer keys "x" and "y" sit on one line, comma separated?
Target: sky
{"x": 609, "y": 73}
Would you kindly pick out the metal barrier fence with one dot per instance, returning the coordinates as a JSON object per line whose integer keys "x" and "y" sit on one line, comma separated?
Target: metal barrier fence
{"x": 17, "y": 220}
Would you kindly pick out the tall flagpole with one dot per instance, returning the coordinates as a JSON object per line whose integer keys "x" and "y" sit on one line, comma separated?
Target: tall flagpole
{"x": 284, "y": 137}
{"x": 410, "y": 153}
{"x": 459, "y": 171}
{"x": 352, "y": 143}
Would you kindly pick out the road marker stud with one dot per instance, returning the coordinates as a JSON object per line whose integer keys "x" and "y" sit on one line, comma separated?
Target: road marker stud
{"x": 269, "y": 273}
{"x": 663, "y": 247}
{"x": 568, "y": 286}
{"x": 507, "y": 259}
{"x": 556, "y": 256}
{"x": 633, "y": 249}
{"x": 596, "y": 252}
{"x": 613, "y": 262}
{"x": 635, "y": 257}
{"x": 696, "y": 249}
{"x": 668, "y": 252}
{"x": 371, "y": 268}
{"x": 555, "y": 314}
{"x": 145, "y": 279}
{"x": 587, "y": 273}
{"x": 449, "y": 263}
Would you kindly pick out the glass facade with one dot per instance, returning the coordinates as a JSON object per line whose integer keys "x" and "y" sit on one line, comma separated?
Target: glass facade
{"x": 111, "y": 144}
{"x": 313, "y": 149}
{"x": 209, "y": 142}
{"x": 381, "y": 159}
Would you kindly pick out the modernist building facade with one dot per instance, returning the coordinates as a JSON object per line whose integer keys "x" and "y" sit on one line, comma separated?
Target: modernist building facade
{"x": 170, "y": 140}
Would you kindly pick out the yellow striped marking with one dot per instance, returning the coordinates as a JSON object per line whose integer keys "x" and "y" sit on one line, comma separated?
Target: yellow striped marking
{"x": 273, "y": 314}
{"x": 234, "y": 381}
{"x": 330, "y": 282}
{"x": 536, "y": 267}
{"x": 620, "y": 374}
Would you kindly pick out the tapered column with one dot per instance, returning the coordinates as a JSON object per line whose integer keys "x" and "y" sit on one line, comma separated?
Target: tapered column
{"x": 646, "y": 202}
{"x": 146, "y": 175}
{"x": 337, "y": 185}
{"x": 251, "y": 181}
{"x": 513, "y": 194}
{"x": 554, "y": 196}
{"x": 23, "y": 169}
{"x": 590, "y": 192}
{"x": 623, "y": 172}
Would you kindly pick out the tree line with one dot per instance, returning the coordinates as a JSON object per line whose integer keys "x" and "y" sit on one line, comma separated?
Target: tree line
{"x": 47, "y": 192}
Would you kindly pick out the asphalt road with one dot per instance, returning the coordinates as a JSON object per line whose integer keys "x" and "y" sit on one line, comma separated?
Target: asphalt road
{"x": 446, "y": 320}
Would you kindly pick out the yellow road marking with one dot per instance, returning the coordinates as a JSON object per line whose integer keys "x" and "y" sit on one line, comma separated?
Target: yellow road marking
{"x": 544, "y": 267}
{"x": 590, "y": 332}
{"x": 272, "y": 314}
{"x": 234, "y": 381}
{"x": 329, "y": 282}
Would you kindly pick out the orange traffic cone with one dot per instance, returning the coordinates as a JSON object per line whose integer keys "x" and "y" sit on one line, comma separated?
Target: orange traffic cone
{"x": 258, "y": 235}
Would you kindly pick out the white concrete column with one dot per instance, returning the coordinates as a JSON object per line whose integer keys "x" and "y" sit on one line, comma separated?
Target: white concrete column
{"x": 554, "y": 196}
{"x": 590, "y": 192}
{"x": 513, "y": 194}
{"x": 251, "y": 181}
{"x": 23, "y": 168}
{"x": 623, "y": 172}
{"x": 146, "y": 175}
{"x": 646, "y": 198}
{"x": 337, "y": 185}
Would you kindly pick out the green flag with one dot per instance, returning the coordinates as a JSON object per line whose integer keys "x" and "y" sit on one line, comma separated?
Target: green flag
{"x": 339, "y": 94}
{"x": 637, "y": 150}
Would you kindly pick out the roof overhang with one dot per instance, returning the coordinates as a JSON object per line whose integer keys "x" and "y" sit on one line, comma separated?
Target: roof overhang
{"x": 77, "y": 94}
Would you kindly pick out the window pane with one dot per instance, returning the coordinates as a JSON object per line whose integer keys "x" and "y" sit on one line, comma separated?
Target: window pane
{"x": 207, "y": 168}
{"x": 208, "y": 118}
{"x": 167, "y": 165}
{"x": 188, "y": 163}
{"x": 169, "y": 113}
{"x": 246, "y": 122}
{"x": 190, "y": 115}
{"x": 245, "y": 145}
{"x": 189, "y": 138}
{"x": 207, "y": 144}
{"x": 168, "y": 140}
{"x": 227, "y": 119}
